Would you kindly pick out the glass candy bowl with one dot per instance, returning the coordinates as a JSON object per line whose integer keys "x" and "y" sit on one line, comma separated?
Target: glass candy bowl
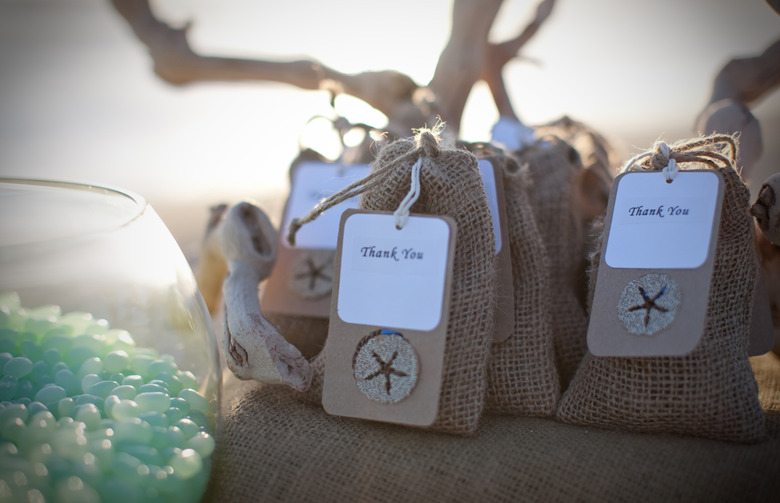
{"x": 109, "y": 375}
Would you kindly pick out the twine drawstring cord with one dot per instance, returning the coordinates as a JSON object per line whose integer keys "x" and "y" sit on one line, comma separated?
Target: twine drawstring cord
{"x": 667, "y": 158}
{"x": 427, "y": 147}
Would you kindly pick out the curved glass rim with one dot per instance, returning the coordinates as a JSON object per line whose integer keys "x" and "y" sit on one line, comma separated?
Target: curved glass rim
{"x": 138, "y": 204}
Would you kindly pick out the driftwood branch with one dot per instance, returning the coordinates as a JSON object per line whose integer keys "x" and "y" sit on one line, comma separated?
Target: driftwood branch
{"x": 467, "y": 58}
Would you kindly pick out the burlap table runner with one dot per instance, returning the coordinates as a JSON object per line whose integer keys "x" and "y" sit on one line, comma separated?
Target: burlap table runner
{"x": 711, "y": 391}
{"x": 450, "y": 186}
{"x": 275, "y": 448}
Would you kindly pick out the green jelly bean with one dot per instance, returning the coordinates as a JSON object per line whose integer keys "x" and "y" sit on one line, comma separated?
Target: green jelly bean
{"x": 173, "y": 415}
{"x": 188, "y": 379}
{"x": 87, "y": 398}
{"x": 8, "y": 387}
{"x": 116, "y": 361}
{"x": 36, "y": 407}
{"x": 195, "y": 399}
{"x": 186, "y": 463}
{"x": 18, "y": 367}
{"x": 59, "y": 366}
{"x": 124, "y": 392}
{"x": 32, "y": 350}
{"x": 39, "y": 326}
{"x": 109, "y": 403}
{"x": 172, "y": 383}
{"x": 158, "y": 367}
{"x": 68, "y": 381}
{"x": 203, "y": 443}
{"x": 102, "y": 388}
{"x": 200, "y": 419}
{"x": 50, "y": 393}
{"x": 93, "y": 365}
{"x": 175, "y": 437}
{"x": 78, "y": 355}
{"x": 153, "y": 402}
{"x": 88, "y": 381}
{"x": 182, "y": 404}
{"x": 154, "y": 419}
{"x": 87, "y": 413}
{"x": 140, "y": 364}
{"x": 65, "y": 407}
{"x": 134, "y": 380}
{"x": 152, "y": 388}
{"x": 131, "y": 430}
{"x": 125, "y": 409}
{"x": 188, "y": 427}
{"x": 118, "y": 377}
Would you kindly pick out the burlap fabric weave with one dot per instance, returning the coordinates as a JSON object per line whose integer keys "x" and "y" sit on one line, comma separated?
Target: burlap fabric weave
{"x": 710, "y": 392}
{"x": 553, "y": 166}
{"x": 522, "y": 375}
{"x": 450, "y": 186}
{"x": 274, "y": 448}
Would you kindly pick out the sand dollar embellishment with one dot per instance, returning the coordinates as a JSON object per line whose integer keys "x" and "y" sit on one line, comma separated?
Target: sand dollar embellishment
{"x": 385, "y": 366}
{"x": 312, "y": 274}
{"x": 649, "y": 304}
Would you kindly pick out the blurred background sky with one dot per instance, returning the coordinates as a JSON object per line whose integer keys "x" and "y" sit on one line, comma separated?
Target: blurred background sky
{"x": 79, "y": 101}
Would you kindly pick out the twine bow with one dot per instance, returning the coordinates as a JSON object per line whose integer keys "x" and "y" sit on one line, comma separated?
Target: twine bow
{"x": 667, "y": 158}
{"x": 427, "y": 146}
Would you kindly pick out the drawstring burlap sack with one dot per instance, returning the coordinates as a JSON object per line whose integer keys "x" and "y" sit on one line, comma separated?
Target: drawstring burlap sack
{"x": 450, "y": 185}
{"x": 553, "y": 166}
{"x": 522, "y": 375}
{"x": 710, "y": 392}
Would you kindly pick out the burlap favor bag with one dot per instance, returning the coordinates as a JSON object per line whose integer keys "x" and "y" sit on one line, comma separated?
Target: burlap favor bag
{"x": 711, "y": 391}
{"x": 450, "y": 185}
{"x": 522, "y": 375}
{"x": 554, "y": 167}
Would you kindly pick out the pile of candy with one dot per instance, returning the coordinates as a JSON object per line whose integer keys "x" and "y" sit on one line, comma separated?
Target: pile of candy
{"x": 86, "y": 415}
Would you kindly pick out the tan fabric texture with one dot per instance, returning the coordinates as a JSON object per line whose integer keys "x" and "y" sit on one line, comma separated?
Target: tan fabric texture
{"x": 450, "y": 186}
{"x": 522, "y": 376}
{"x": 553, "y": 166}
{"x": 709, "y": 392}
{"x": 274, "y": 448}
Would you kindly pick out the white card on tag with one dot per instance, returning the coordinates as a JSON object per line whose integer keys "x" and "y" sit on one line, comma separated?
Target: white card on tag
{"x": 393, "y": 277}
{"x": 659, "y": 225}
{"x": 654, "y": 276}
{"x": 388, "y": 326}
{"x": 312, "y": 182}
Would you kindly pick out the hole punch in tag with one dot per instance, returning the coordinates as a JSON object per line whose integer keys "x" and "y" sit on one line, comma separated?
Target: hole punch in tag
{"x": 301, "y": 281}
{"x": 655, "y": 271}
{"x": 389, "y": 314}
